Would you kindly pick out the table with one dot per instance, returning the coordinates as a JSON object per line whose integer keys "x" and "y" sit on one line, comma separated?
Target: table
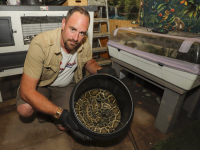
{"x": 172, "y": 99}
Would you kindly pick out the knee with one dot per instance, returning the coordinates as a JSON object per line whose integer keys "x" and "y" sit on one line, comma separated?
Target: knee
{"x": 25, "y": 110}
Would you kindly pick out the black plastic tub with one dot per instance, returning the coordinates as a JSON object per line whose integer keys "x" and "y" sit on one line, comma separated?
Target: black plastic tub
{"x": 122, "y": 95}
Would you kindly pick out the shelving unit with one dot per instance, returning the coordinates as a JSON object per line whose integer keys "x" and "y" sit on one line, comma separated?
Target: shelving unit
{"x": 100, "y": 18}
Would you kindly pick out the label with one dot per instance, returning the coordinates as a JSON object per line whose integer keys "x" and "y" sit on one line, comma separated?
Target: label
{"x": 44, "y": 8}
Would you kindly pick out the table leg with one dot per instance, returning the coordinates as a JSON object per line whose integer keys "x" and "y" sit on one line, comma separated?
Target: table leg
{"x": 117, "y": 68}
{"x": 1, "y": 100}
{"x": 169, "y": 109}
{"x": 194, "y": 101}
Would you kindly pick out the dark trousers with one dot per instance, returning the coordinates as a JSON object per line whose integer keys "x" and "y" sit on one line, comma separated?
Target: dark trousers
{"x": 60, "y": 96}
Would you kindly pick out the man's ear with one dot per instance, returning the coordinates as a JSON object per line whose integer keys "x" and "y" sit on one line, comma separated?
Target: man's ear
{"x": 63, "y": 23}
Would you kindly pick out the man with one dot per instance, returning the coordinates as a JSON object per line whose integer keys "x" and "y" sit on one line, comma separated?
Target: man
{"x": 54, "y": 58}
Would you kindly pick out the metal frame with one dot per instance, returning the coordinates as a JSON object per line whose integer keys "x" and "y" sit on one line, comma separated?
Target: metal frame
{"x": 43, "y": 8}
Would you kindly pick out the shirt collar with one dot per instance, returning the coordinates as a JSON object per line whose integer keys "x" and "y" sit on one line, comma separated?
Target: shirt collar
{"x": 58, "y": 43}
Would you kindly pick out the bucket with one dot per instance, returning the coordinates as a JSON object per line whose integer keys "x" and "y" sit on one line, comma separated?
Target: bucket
{"x": 118, "y": 90}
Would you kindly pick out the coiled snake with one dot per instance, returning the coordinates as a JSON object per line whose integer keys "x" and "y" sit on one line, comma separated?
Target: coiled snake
{"x": 98, "y": 110}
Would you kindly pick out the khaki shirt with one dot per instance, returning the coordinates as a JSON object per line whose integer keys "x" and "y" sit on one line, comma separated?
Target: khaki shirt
{"x": 44, "y": 57}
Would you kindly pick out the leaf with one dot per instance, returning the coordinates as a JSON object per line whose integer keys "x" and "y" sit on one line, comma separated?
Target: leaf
{"x": 185, "y": 11}
{"x": 156, "y": 20}
{"x": 191, "y": 1}
{"x": 161, "y": 7}
{"x": 171, "y": 19}
{"x": 191, "y": 13}
{"x": 197, "y": 8}
{"x": 195, "y": 13}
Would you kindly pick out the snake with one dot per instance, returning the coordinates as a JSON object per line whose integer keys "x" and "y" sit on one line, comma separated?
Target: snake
{"x": 98, "y": 110}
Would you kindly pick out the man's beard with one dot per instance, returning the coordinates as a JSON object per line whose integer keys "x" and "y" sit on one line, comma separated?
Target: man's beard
{"x": 70, "y": 47}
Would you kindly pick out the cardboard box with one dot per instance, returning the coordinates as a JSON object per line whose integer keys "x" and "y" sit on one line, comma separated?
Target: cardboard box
{"x": 77, "y": 2}
{"x": 65, "y": 3}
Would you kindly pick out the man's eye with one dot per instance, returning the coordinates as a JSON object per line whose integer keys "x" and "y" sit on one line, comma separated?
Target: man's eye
{"x": 82, "y": 33}
{"x": 73, "y": 30}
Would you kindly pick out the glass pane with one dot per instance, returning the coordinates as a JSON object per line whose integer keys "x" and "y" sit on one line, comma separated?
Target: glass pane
{"x": 155, "y": 44}
{"x": 6, "y": 37}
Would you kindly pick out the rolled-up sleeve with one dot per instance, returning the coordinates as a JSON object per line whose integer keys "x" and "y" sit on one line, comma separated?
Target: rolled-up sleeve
{"x": 89, "y": 50}
{"x": 34, "y": 60}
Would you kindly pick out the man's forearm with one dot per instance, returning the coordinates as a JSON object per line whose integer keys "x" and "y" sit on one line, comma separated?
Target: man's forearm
{"x": 40, "y": 102}
{"x": 92, "y": 66}
{"x": 29, "y": 93}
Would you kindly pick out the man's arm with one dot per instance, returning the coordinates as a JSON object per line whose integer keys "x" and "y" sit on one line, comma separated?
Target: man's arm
{"x": 41, "y": 103}
{"x": 92, "y": 66}
{"x": 35, "y": 99}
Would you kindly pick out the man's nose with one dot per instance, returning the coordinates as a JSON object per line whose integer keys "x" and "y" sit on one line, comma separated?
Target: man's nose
{"x": 76, "y": 36}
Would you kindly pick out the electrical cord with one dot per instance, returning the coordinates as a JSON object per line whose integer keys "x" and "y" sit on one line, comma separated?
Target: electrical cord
{"x": 132, "y": 139}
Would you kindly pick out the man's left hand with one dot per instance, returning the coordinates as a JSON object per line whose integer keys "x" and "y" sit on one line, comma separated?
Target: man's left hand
{"x": 67, "y": 121}
{"x": 108, "y": 70}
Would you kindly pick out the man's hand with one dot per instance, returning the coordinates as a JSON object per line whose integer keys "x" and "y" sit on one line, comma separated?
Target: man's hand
{"x": 67, "y": 121}
{"x": 108, "y": 70}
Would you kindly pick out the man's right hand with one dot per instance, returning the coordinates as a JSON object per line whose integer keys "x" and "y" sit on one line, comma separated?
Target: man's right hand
{"x": 67, "y": 121}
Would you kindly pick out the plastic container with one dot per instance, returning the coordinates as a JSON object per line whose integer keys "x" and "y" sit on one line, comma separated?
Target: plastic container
{"x": 120, "y": 92}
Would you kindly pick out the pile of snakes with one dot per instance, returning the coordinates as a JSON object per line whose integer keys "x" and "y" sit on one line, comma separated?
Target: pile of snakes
{"x": 98, "y": 110}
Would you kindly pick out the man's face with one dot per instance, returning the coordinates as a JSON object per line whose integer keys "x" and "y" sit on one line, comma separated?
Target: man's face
{"x": 74, "y": 31}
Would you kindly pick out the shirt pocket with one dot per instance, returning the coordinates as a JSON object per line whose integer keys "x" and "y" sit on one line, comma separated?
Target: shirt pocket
{"x": 48, "y": 72}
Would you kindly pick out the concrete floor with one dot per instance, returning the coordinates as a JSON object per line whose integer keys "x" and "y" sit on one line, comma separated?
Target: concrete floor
{"x": 17, "y": 133}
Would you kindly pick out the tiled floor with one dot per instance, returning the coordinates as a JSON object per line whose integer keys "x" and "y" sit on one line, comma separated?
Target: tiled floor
{"x": 27, "y": 134}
